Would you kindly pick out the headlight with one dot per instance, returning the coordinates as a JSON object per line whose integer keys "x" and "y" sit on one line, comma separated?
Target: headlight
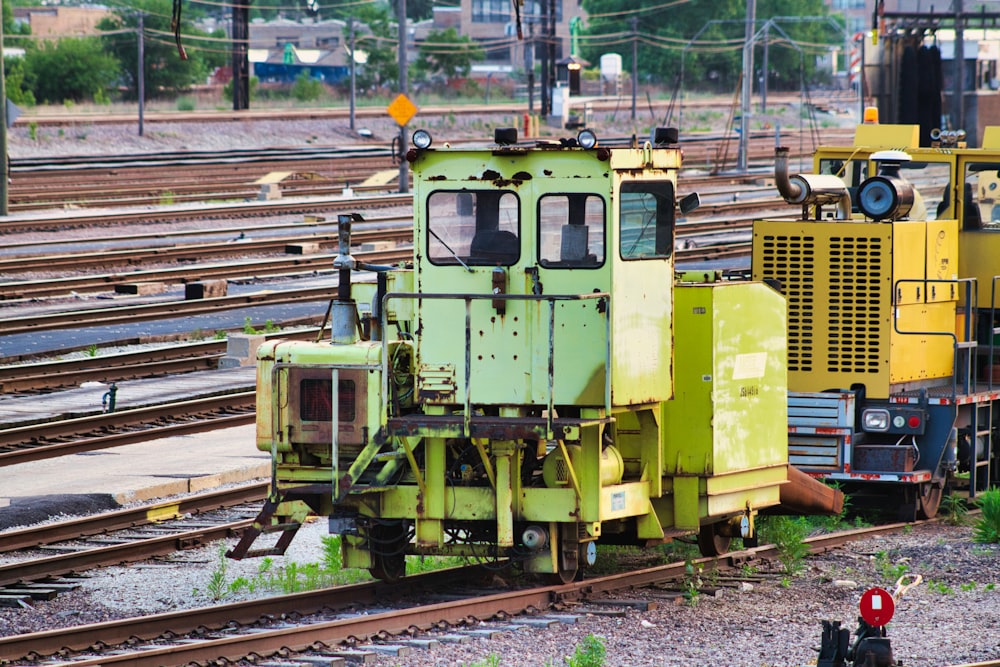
{"x": 875, "y": 420}
{"x": 587, "y": 139}
{"x": 422, "y": 139}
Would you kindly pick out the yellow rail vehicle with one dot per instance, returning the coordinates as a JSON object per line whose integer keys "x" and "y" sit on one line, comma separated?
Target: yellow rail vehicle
{"x": 889, "y": 274}
{"x": 535, "y": 382}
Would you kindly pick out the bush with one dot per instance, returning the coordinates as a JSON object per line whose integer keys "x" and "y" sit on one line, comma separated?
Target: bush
{"x": 987, "y": 528}
{"x": 306, "y": 88}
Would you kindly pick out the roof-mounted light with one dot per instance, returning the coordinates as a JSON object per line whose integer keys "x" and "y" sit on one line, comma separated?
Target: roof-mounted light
{"x": 663, "y": 136}
{"x": 505, "y": 136}
{"x": 422, "y": 139}
{"x": 587, "y": 139}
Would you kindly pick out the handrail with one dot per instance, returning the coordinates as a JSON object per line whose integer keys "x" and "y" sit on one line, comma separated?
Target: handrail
{"x": 971, "y": 306}
{"x": 468, "y": 299}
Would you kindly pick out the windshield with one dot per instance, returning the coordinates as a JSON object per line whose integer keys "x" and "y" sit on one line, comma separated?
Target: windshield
{"x": 473, "y": 227}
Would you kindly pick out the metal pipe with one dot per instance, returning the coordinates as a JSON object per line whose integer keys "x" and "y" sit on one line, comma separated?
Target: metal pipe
{"x": 810, "y": 189}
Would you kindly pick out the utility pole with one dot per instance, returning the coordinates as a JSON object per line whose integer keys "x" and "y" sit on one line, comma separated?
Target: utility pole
{"x": 544, "y": 30}
{"x": 635, "y": 60}
{"x": 958, "y": 94}
{"x": 763, "y": 69}
{"x": 529, "y": 64}
{"x": 350, "y": 30}
{"x": 745, "y": 91}
{"x": 404, "y": 172}
{"x": 5, "y": 170}
{"x": 241, "y": 59}
{"x": 140, "y": 84}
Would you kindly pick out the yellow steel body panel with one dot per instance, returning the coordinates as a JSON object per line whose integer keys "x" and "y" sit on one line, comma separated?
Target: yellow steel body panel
{"x": 509, "y": 355}
{"x": 728, "y": 420}
{"x": 909, "y": 254}
{"x": 839, "y": 278}
{"x": 991, "y": 138}
{"x": 979, "y": 258}
{"x": 887, "y": 136}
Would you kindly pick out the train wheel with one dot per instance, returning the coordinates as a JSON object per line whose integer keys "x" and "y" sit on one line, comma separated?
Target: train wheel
{"x": 388, "y": 549}
{"x": 565, "y": 576}
{"x": 929, "y": 500}
{"x": 710, "y": 542}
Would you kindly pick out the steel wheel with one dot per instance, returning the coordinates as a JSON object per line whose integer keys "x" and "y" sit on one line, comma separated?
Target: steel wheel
{"x": 929, "y": 500}
{"x": 710, "y": 542}
{"x": 388, "y": 549}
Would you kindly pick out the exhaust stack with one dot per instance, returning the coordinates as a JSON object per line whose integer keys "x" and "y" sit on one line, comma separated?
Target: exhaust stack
{"x": 810, "y": 189}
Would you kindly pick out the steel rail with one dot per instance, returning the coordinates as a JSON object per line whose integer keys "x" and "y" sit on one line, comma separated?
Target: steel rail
{"x": 124, "y": 365}
{"x": 155, "y": 311}
{"x": 192, "y": 212}
{"x": 133, "y": 517}
{"x": 117, "y": 554}
{"x": 17, "y": 441}
{"x": 246, "y": 268}
{"x": 67, "y": 378}
{"x": 113, "y": 633}
{"x": 228, "y": 232}
{"x": 266, "y": 643}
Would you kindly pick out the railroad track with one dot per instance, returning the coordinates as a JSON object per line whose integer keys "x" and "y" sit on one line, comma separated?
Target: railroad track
{"x": 129, "y": 180}
{"x": 121, "y": 536}
{"x": 191, "y": 636}
{"x": 178, "y": 358}
{"x": 84, "y": 219}
{"x": 33, "y": 442}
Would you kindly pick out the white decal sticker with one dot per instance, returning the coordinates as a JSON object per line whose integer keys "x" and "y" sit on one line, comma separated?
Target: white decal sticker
{"x": 750, "y": 365}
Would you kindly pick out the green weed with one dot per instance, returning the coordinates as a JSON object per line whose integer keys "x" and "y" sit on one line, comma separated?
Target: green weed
{"x": 940, "y": 587}
{"x": 787, "y": 533}
{"x": 167, "y": 198}
{"x": 589, "y": 653}
{"x": 33, "y": 131}
{"x": 954, "y": 510}
{"x": 692, "y": 582}
{"x": 990, "y": 586}
{"x": 987, "y": 528}
{"x": 269, "y": 327}
{"x": 971, "y": 586}
{"x": 492, "y": 660}
{"x": 221, "y": 335}
{"x": 92, "y": 350}
{"x": 889, "y": 570}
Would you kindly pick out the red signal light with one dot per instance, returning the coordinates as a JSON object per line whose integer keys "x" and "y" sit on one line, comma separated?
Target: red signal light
{"x": 913, "y": 421}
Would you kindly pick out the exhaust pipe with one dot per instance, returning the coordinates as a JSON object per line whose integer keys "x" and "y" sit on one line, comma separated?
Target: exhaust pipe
{"x": 810, "y": 189}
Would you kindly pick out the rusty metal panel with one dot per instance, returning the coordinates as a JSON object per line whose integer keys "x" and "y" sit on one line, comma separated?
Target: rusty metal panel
{"x": 884, "y": 458}
{"x": 436, "y": 382}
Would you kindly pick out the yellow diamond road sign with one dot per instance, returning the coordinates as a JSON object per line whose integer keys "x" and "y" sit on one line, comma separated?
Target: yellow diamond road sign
{"x": 401, "y": 109}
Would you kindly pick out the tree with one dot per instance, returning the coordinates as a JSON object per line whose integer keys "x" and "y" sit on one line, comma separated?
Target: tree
{"x": 165, "y": 72}
{"x": 74, "y": 69}
{"x": 714, "y": 59}
{"x": 444, "y": 52}
{"x": 381, "y": 66}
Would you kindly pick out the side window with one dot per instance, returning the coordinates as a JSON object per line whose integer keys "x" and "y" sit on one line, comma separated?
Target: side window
{"x": 646, "y": 219}
{"x": 931, "y": 199}
{"x": 853, "y": 173}
{"x": 571, "y": 231}
{"x": 981, "y": 196}
{"x": 474, "y": 227}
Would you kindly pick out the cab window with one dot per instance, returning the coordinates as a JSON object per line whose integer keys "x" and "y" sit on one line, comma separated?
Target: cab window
{"x": 981, "y": 196}
{"x": 571, "y": 231}
{"x": 852, "y": 172}
{"x": 474, "y": 227}
{"x": 646, "y": 219}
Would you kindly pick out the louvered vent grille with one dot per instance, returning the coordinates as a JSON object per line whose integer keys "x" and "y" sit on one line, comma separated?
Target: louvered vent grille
{"x": 791, "y": 261}
{"x": 855, "y": 306}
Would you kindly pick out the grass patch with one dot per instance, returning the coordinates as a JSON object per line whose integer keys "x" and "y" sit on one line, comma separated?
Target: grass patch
{"x": 987, "y": 527}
